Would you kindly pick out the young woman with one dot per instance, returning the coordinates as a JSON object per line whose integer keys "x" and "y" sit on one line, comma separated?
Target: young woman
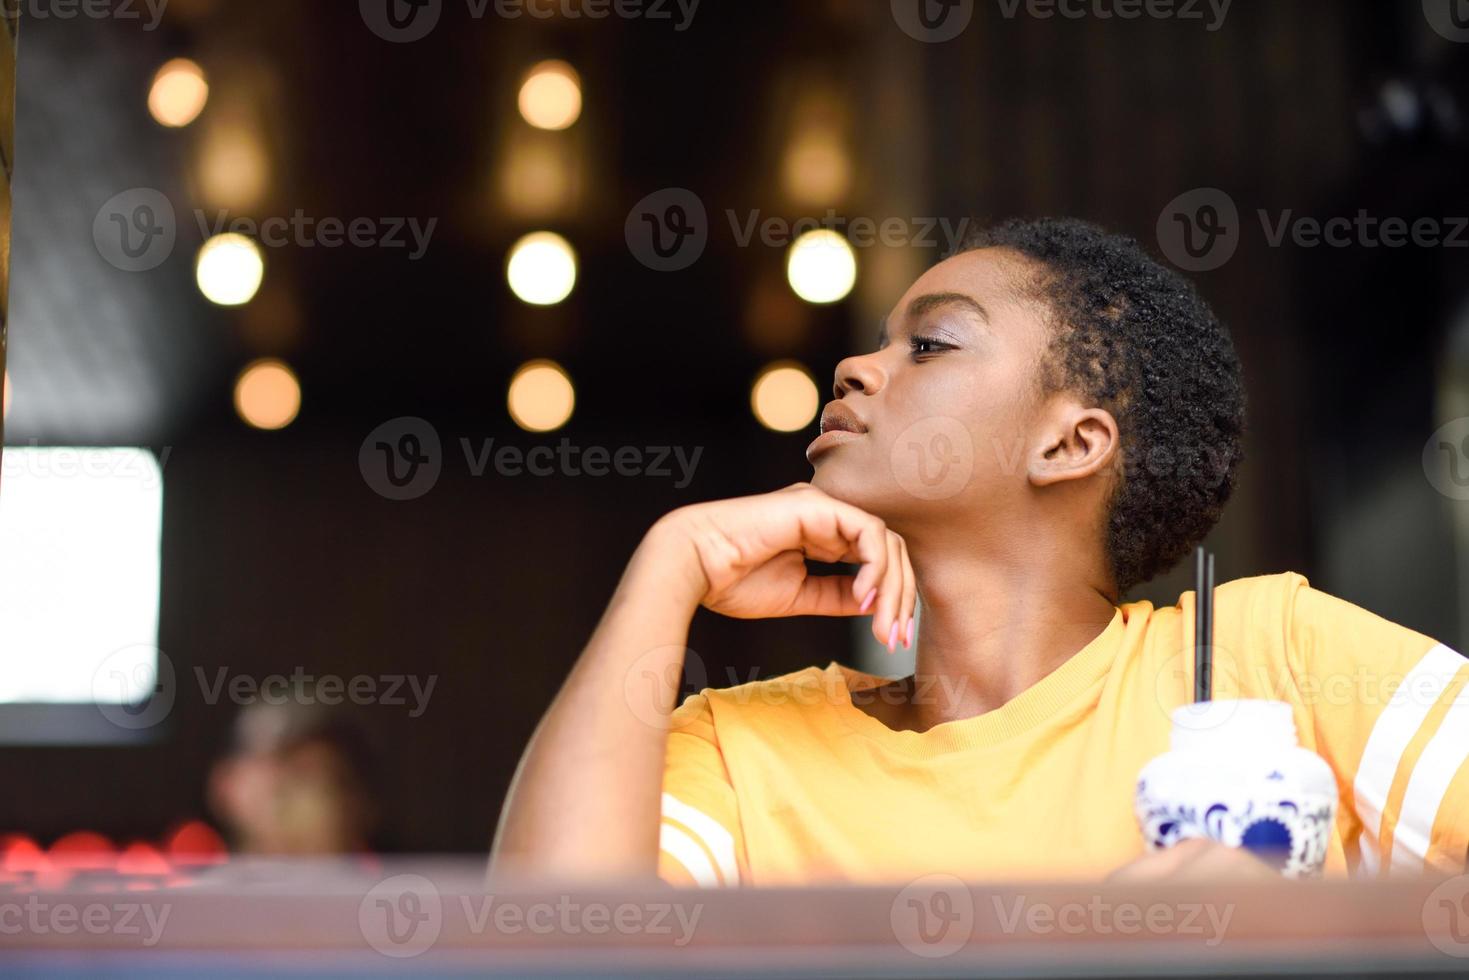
{"x": 1050, "y": 418}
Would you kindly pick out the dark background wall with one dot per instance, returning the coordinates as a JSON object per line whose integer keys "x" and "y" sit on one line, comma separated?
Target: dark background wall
{"x": 278, "y": 556}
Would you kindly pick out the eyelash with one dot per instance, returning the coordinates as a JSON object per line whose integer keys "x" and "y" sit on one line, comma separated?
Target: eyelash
{"x": 937, "y": 345}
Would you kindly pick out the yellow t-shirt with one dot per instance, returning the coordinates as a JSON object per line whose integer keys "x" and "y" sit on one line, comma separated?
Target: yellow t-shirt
{"x": 785, "y": 781}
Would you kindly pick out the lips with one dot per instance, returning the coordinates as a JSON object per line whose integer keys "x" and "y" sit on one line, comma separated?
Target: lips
{"x": 839, "y": 424}
{"x": 839, "y": 418}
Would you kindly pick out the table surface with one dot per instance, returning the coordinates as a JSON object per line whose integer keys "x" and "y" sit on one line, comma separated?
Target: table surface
{"x": 441, "y": 918}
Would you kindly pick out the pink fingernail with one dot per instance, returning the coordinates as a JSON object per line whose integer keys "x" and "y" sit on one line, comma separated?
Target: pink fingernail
{"x": 893, "y": 638}
{"x": 908, "y": 634}
{"x": 868, "y": 601}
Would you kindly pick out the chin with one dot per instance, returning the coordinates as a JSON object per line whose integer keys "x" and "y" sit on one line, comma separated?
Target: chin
{"x": 855, "y": 485}
{"x": 880, "y": 491}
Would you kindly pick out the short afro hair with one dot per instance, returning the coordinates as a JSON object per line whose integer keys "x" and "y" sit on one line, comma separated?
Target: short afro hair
{"x": 1136, "y": 337}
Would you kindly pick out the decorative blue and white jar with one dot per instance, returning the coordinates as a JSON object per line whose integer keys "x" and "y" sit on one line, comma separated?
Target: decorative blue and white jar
{"x": 1236, "y": 774}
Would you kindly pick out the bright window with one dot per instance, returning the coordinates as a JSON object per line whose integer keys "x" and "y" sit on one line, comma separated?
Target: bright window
{"x": 79, "y": 570}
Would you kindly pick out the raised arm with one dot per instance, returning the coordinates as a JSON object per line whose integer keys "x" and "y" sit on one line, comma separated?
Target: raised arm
{"x": 585, "y": 800}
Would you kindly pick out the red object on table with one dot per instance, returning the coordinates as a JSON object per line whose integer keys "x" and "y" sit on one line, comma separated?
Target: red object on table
{"x": 83, "y": 851}
{"x": 143, "y": 860}
{"x": 195, "y": 844}
{"x": 21, "y": 855}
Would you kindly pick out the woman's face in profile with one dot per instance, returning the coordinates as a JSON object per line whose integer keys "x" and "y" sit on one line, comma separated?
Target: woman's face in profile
{"x": 938, "y": 418}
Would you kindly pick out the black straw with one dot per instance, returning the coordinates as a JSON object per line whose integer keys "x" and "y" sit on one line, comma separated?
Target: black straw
{"x": 1203, "y": 625}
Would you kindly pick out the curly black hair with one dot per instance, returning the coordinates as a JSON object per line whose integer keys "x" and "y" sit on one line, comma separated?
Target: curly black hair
{"x": 1136, "y": 337}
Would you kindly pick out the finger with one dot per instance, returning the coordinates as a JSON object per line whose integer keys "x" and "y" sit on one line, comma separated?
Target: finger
{"x": 826, "y": 551}
{"x": 833, "y": 530}
{"x": 910, "y": 595}
{"x": 1151, "y": 866}
{"x": 828, "y": 527}
{"x": 825, "y": 595}
{"x": 1222, "y": 861}
{"x": 866, "y": 538}
{"x": 890, "y": 596}
{"x": 1166, "y": 863}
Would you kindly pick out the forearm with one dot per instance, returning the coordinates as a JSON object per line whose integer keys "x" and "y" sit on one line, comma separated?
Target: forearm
{"x": 585, "y": 799}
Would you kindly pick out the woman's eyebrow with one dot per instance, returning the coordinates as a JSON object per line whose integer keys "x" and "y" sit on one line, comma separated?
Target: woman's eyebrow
{"x": 929, "y": 302}
{"x": 932, "y": 301}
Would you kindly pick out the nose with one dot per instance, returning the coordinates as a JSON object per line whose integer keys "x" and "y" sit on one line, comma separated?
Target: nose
{"x": 861, "y": 373}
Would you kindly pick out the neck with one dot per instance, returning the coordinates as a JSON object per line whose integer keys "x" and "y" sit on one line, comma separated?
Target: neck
{"x": 995, "y": 622}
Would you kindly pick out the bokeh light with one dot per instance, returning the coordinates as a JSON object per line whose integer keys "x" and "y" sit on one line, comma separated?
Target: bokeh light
{"x": 233, "y": 167}
{"x": 538, "y": 178}
{"x": 550, "y": 96}
{"x": 229, "y": 269}
{"x": 784, "y": 397}
{"x": 541, "y": 396}
{"x": 179, "y": 93}
{"x": 816, "y": 170}
{"x": 541, "y": 268}
{"x": 267, "y": 394}
{"x": 821, "y": 266}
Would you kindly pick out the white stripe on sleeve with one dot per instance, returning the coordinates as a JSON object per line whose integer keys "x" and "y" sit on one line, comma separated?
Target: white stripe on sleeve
{"x": 1371, "y": 865}
{"x": 1394, "y": 729}
{"x": 687, "y": 852}
{"x": 710, "y": 832}
{"x": 1432, "y": 774}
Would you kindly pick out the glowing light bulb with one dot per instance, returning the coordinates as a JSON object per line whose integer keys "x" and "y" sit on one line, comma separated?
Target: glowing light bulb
{"x": 541, "y": 396}
{"x": 542, "y": 268}
{"x": 816, "y": 169}
{"x": 179, "y": 93}
{"x": 784, "y": 397}
{"x": 550, "y": 96}
{"x": 267, "y": 394}
{"x": 229, "y": 269}
{"x": 821, "y": 266}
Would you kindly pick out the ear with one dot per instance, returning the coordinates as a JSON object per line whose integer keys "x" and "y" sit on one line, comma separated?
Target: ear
{"x": 1075, "y": 442}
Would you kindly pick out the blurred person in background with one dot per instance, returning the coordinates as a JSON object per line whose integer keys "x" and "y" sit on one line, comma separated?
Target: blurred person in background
{"x": 296, "y": 781}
